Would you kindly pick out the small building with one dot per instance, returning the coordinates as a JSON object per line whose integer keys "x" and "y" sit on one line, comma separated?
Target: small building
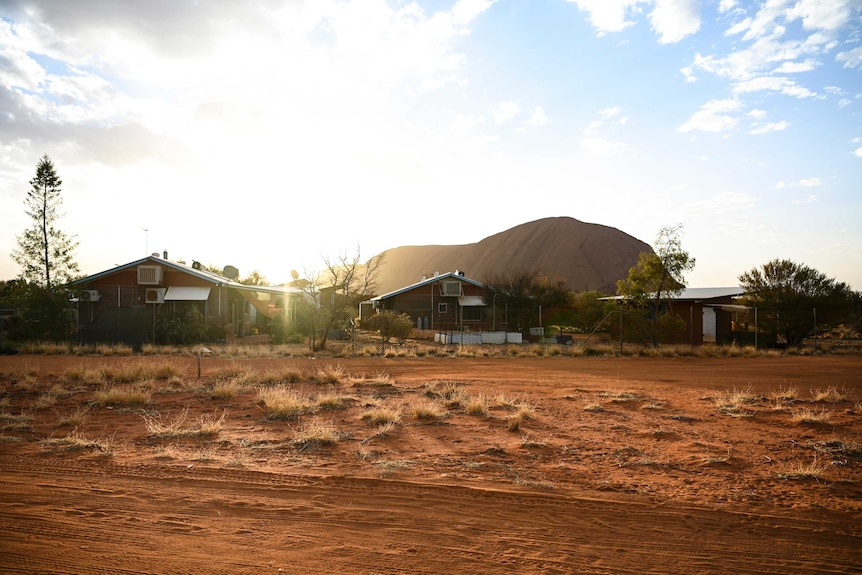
{"x": 124, "y": 304}
{"x": 708, "y": 313}
{"x": 442, "y": 302}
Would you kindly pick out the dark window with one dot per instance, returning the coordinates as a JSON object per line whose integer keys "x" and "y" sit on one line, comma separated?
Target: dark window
{"x": 442, "y": 307}
{"x": 471, "y": 313}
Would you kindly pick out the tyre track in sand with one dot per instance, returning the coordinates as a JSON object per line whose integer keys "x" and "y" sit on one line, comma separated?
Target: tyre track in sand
{"x": 84, "y": 515}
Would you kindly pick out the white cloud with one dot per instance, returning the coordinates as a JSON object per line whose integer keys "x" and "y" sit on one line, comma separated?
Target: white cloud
{"x": 726, "y": 5}
{"x": 593, "y": 127}
{"x": 609, "y": 113}
{"x": 739, "y": 27}
{"x": 773, "y": 84}
{"x": 712, "y": 117}
{"x": 851, "y": 58}
{"x": 808, "y": 200}
{"x": 823, "y": 14}
{"x": 505, "y": 111}
{"x": 465, "y": 11}
{"x": 844, "y": 102}
{"x": 601, "y": 147}
{"x": 537, "y": 119}
{"x": 772, "y": 127}
{"x": 722, "y": 203}
{"x": 672, "y": 20}
{"x": 675, "y": 19}
{"x": 803, "y": 183}
{"x": 757, "y": 114}
{"x": 797, "y": 67}
{"x": 858, "y": 152}
{"x": 609, "y": 15}
{"x": 810, "y": 182}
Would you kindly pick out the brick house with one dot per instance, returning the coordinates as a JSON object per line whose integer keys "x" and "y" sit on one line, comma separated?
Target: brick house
{"x": 121, "y": 304}
{"x": 443, "y": 302}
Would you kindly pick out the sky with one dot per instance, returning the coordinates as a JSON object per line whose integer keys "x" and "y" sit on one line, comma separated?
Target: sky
{"x": 274, "y": 134}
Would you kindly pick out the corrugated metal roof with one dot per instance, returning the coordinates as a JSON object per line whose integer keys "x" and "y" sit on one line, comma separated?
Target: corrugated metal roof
{"x": 206, "y": 275}
{"x": 448, "y": 275}
{"x": 470, "y": 301}
{"x": 185, "y": 293}
{"x": 697, "y": 294}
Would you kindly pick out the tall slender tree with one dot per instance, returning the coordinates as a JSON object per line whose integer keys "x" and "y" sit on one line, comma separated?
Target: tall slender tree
{"x": 45, "y": 253}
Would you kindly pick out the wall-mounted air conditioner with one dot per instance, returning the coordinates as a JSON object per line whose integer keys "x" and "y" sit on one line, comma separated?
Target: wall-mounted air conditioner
{"x": 150, "y": 275}
{"x": 90, "y": 295}
{"x": 156, "y": 295}
{"x": 450, "y": 288}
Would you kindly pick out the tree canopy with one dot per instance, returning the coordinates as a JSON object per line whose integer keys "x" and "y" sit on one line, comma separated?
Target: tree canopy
{"x": 660, "y": 273}
{"x": 799, "y": 301}
{"x": 45, "y": 253}
{"x": 522, "y": 292}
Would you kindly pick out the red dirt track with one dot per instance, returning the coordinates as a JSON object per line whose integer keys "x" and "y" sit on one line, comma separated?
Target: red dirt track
{"x": 658, "y": 480}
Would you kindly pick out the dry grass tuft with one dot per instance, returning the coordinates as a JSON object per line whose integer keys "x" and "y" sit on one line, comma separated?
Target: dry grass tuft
{"x": 830, "y": 395}
{"x": 382, "y": 431}
{"x": 332, "y": 374}
{"x": 617, "y": 396}
{"x": 282, "y": 402}
{"x": 424, "y": 408}
{"x": 229, "y": 388}
{"x": 84, "y": 375}
{"x": 653, "y": 406}
{"x": 314, "y": 435}
{"x": 735, "y": 403}
{"x": 528, "y": 442}
{"x": 12, "y": 422}
{"x": 45, "y": 400}
{"x": 515, "y": 421}
{"x": 123, "y": 395}
{"x": 451, "y": 392}
{"x": 74, "y": 418}
{"x": 476, "y": 405}
{"x": 811, "y": 417}
{"x": 800, "y": 470}
{"x": 331, "y": 400}
{"x": 382, "y": 415}
{"x": 594, "y": 407}
{"x": 285, "y": 374}
{"x": 788, "y": 393}
{"x": 75, "y": 441}
{"x": 380, "y": 378}
{"x": 183, "y": 426}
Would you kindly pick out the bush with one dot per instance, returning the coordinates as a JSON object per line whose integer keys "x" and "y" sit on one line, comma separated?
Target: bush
{"x": 390, "y": 324}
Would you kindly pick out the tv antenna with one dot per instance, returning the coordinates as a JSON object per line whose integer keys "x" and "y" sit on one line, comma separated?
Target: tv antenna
{"x": 146, "y": 241}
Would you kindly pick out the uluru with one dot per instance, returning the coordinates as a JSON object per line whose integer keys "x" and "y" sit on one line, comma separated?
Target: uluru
{"x": 586, "y": 256}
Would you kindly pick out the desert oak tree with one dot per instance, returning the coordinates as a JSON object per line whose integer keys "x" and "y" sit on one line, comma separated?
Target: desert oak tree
{"x": 657, "y": 276}
{"x": 797, "y": 300}
{"x": 45, "y": 253}
{"x": 661, "y": 273}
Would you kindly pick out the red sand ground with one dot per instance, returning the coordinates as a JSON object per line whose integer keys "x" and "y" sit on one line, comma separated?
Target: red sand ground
{"x": 658, "y": 481}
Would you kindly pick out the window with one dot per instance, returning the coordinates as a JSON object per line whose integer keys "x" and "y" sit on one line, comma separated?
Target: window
{"x": 473, "y": 313}
{"x": 442, "y": 307}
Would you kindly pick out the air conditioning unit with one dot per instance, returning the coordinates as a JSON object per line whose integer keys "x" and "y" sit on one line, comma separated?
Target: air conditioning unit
{"x": 90, "y": 295}
{"x": 149, "y": 275}
{"x": 451, "y": 288}
{"x": 156, "y": 295}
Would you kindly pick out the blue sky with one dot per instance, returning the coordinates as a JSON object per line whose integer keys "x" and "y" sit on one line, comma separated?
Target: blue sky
{"x": 271, "y": 136}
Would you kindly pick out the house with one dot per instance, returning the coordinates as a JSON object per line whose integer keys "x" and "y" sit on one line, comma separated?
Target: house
{"x": 708, "y": 313}
{"x": 125, "y": 303}
{"x": 442, "y": 302}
